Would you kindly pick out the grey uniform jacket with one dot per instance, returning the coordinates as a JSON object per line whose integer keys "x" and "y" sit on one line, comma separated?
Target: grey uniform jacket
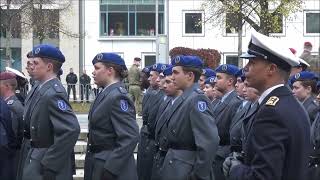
{"x": 314, "y": 163}
{"x": 54, "y": 130}
{"x": 311, "y": 105}
{"x": 16, "y": 108}
{"x": 192, "y": 138}
{"x": 113, "y": 128}
{"x": 25, "y": 146}
{"x": 224, "y": 113}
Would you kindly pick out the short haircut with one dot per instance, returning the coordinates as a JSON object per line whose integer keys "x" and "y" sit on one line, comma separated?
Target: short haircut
{"x": 56, "y": 65}
{"x": 196, "y": 71}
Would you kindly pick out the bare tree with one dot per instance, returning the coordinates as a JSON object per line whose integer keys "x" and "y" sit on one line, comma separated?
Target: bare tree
{"x": 265, "y": 16}
{"x": 39, "y": 16}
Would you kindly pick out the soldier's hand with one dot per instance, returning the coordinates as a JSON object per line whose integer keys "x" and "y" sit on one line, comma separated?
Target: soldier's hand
{"x": 107, "y": 175}
{"x": 226, "y": 166}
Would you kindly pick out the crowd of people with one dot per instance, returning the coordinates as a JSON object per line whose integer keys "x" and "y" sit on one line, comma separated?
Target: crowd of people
{"x": 199, "y": 123}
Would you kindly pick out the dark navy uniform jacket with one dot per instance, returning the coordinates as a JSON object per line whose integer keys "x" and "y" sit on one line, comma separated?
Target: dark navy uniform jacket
{"x": 277, "y": 144}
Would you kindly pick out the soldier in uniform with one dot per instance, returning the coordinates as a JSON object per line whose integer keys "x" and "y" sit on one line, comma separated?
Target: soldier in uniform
{"x": 85, "y": 86}
{"x": 113, "y": 130}
{"x": 25, "y": 146}
{"x": 8, "y": 85}
{"x": 224, "y": 112}
{"x": 314, "y": 158}
{"x": 191, "y": 135}
{"x": 134, "y": 84}
{"x": 72, "y": 80}
{"x": 172, "y": 93}
{"x": 206, "y": 73}
{"x": 54, "y": 128}
{"x": 304, "y": 89}
{"x": 277, "y": 143}
{"x": 7, "y": 139}
{"x": 302, "y": 66}
{"x": 150, "y": 106}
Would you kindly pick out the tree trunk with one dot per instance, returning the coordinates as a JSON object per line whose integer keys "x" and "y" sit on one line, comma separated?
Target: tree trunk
{"x": 240, "y": 24}
{"x": 8, "y": 38}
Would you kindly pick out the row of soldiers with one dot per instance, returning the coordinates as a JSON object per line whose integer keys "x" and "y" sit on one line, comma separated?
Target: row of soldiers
{"x": 259, "y": 122}
{"x": 187, "y": 133}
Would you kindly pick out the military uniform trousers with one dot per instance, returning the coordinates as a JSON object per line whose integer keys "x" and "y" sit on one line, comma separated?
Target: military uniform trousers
{"x": 25, "y": 147}
{"x": 146, "y": 150}
{"x": 94, "y": 167}
{"x": 136, "y": 96}
{"x": 33, "y": 169}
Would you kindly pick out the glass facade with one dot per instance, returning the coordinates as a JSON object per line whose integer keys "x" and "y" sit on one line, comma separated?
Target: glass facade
{"x": 130, "y": 17}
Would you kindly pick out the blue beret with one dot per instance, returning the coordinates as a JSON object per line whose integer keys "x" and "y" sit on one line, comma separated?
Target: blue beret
{"x": 241, "y": 74}
{"x": 210, "y": 80}
{"x": 146, "y": 69}
{"x": 187, "y": 61}
{"x": 159, "y": 67}
{"x": 109, "y": 58}
{"x": 48, "y": 51}
{"x": 168, "y": 71}
{"x": 228, "y": 69}
{"x": 304, "y": 75}
{"x": 207, "y": 72}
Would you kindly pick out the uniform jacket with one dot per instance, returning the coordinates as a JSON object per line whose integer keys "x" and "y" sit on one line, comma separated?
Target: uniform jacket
{"x": 85, "y": 79}
{"x": 312, "y": 107}
{"x": 192, "y": 138}
{"x": 224, "y": 113}
{"x": 16, "y": 109}
{"x": 134, "y": 75}
{"x": 277, "y": 144}
{"x": 147, "y": 147}
{"x": 54, "y": 130}
{"x": 112, "y": 124}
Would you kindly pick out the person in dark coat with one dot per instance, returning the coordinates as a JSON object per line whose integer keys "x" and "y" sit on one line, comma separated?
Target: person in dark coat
{"x": 224, "y": 112}
{"x": 7, "y": 143}
{"x": 304, "y": 89}
{"x": 150, "y": 106}
{"x": 172, "y": 93}
{"x": 8, "y": 84}
{"x": 85, "y": 86}
{"x": 113, "y": 130}
{"x": 314, "y": 158}
{"x": 53, "y": 126}
{"x": 72, "y": 80}
{"x": 192, "y": 136}
{"x": 277, "y": 143}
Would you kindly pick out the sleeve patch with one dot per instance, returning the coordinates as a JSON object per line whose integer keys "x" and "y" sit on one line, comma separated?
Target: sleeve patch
{"x": 273, "y": 100}
{"x": 202, "y": 106}
{"x": 124, "y": 105}
{"x": 62, "y": 105}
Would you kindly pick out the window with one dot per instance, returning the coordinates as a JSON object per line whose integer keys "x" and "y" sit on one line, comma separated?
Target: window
{"x": 232, "y": 59}
{"x": 149, "y": 59}
{"x": 279, "y": 29}
{"x": 15, "y": 60}
{"x": 193, "y": 23}
{"x": 312, "y": 23}
{"x": 130, "y": 17}
{"x": 231, "y": 25}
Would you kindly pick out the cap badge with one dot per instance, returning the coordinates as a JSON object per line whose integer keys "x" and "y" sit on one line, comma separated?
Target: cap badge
{"x": 163, "y": 67}
{"x": 177, "y": 59}
{"x": 224, "y": 67}
{"x": 297, "y": 76}
{"x": 212, "y": 80}
{"x": 154, "y": 66}
{"x": 37, "y": 51}
{"x": 203, "y": 71}
{"x": 99, "y": 56}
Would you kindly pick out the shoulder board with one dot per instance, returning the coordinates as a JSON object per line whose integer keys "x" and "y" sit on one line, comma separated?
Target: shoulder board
{"x": 10, "y": 102}
{"x": 58, "y": 88}
{"x": 199, "y": 91}
{"x": 273, "y": 100}
{"x": 122, "y": 90}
